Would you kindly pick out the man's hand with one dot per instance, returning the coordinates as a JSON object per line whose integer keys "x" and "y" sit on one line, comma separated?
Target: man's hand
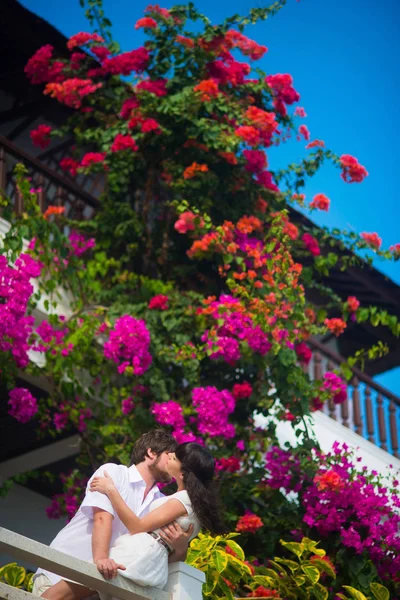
{"x": 178, "y": 539}
{"x": 108, "y": 567}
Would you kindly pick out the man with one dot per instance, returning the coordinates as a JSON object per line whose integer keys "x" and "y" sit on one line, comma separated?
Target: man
{"x": 95, "y": 527}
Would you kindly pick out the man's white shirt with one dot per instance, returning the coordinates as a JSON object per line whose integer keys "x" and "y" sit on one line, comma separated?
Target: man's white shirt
{"x": 76, "y": 537}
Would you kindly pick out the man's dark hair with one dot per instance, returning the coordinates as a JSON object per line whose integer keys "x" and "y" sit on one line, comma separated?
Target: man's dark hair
{"x": 157, "y": 440}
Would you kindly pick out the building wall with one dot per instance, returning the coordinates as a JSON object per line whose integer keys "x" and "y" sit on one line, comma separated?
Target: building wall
{"x": 24, "y": 512}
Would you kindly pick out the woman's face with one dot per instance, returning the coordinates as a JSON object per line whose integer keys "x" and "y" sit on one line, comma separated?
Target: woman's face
{"x": 174, "y": 466}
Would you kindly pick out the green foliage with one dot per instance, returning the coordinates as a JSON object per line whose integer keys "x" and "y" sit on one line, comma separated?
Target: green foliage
{"x": 16, "y": 576}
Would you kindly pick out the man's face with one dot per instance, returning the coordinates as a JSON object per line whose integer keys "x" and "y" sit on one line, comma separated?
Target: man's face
{"x": 158, "y": 468}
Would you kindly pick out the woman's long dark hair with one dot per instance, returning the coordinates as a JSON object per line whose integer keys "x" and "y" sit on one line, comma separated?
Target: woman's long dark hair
{"x": 198, "y": 467}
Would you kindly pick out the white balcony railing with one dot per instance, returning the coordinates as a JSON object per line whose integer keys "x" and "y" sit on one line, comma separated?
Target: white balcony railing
{"x": 184, "y": 582}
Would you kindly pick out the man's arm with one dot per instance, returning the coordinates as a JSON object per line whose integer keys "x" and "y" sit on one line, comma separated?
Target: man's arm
{"x": 101, "y": 537}
{"x": 177, "y": 539}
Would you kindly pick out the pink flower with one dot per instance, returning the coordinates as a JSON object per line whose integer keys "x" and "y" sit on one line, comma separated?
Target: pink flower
{"x": 83, "y": 38}
{"x": 127, "y": 406}
{"x": 311, "y": 244}
{"x": 91, "y": 158}
{"x": 299, "y": 111}
{"x": 303, "y": 130}
{"x": 256, "y": 160}
{"x": 187, "y": 222}
{"x": 352, "y": 171}
{"x": 213, "y": 408}
{"x": 169, "y": 413}
{"x": 128, "y": 345}
{"x": 230, "y": 465}
{"x": 123, "y": 64}
{"x": 156, "y": 87}
{"x": 60, "y": 421}
{"x": 23, "y": 406}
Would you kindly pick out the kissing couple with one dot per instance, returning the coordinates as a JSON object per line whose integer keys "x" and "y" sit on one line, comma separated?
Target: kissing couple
{"x": 126, "y": 525}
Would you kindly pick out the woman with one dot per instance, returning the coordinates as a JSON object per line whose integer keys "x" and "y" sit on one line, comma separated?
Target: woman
{"x": 142, "y": 551}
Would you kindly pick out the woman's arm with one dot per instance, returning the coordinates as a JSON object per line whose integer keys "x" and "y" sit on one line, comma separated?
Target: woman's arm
{"x": 171, "y": 510}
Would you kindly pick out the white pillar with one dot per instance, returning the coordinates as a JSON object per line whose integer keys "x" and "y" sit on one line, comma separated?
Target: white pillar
{"x": 184, "y": 582}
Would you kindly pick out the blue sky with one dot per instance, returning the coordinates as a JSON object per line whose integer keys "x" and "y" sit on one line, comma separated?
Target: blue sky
{"x": 341, "y": 54}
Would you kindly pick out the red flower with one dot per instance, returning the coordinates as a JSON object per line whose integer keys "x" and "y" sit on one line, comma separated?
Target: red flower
{"x": 146, "y": 22}
{"x": 336, "y": 326}
{"x": 123, "y": 64}
{"x": 194, "y": 168}
{"x": 291, "y": 230}
{"x": 128, "y": 106}
{"x": 303, "y": 130}
{"x": 53, "y": 210}
{"x": 156, "y": 87}
{"x": 92, "y": 158}
{"x": 395, "y": 249}
{"x": 149, "y": 125}
{"x": 241, "y": 391}
{"x": 158, "y": 10}
{"x": 185, "y": 41}
{"x": 311, "y": 244}
{"x": 231, "y": 464}
{"x": 256, "y": 160}
{"x": 159, "y": 302}
{"x": 69, "y": 164}
{"x": 330, "y": 480}
{"x": 316, "y": 144}
{"x": 41, "y": 136}
{"x": 39, "y": 69}
{"x": 352, "y": 303}
{"x": 282, "y": 89}
{"x": 303, "y": 352}
{"x": 230, "y": 157}
{"x": 248, "y": 134}
{"x": 352, "y": 171}
{"x": 208, "y": 89}
{"x": 265, "y": 179}
{"x": 263, "y": 592}
{"x": 82, "y": 38}
{"x": 248, "y": 47}
{"x": 101, "y": 52}
{"x": 123, "y": 142}
{"x": 249, "y": 523}
{"x": 72, "y": 91}
{"x": 321, "y": 202}
{"x": 372, "y": 239}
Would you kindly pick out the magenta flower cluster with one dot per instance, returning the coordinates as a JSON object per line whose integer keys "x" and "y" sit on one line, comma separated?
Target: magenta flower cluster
{"x": 128, "y": 345}
{"x": 79, "y": 244}
{"x": 15, "y": 292}
{"x": 213, "y": 409}
{"x": 335, "y": 386}
{"x": 171, "y": 414}
{"x": 235, "y": 328}
{"x": 340, "y": 503}
{"x": 23, "y": 406}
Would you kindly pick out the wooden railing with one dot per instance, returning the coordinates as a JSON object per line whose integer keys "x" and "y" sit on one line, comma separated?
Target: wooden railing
{"x": 370, "y": 410}
{"x": 54, "y": 188}
{"x": 184, "y": 582}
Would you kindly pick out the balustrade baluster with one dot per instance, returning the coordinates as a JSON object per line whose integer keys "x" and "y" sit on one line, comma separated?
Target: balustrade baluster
{"x": 344, "y": 412}
{"x": 41, "y": 194}
{"x": 331, "y": 405}
{"x": 356, "y": 406}
{"x": 3, "y": 173}
{"x": 317, "y": 366}
{"x": 368, "y": 410}
{"x": 394, "y": 440}
{"x": 381, "y": 422}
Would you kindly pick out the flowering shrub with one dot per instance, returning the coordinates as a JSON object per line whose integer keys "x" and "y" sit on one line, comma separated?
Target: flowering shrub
{"x": 192, "y": 315}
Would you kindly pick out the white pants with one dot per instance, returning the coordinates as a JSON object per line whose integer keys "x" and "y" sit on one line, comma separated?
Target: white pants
{"x": 41, "y": 583}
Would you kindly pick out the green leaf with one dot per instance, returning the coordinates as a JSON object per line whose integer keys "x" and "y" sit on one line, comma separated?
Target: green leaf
{"x": 320, "y": 592}
{"x": 324, "y": 567}
{"x": 311, "y": 572}
{"x": 14, "y": 575}
{"x": 236, "y": 548}
{"x": 354, "y": 593}
{"x": 219, "y": 559}
{"x": 379, "y": 591}
{"x": 294, "y": 547}
{"x": 293, "y": 566}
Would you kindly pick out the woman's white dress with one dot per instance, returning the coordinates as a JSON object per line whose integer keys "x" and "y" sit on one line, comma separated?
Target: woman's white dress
{"x": 145, "y": 559}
